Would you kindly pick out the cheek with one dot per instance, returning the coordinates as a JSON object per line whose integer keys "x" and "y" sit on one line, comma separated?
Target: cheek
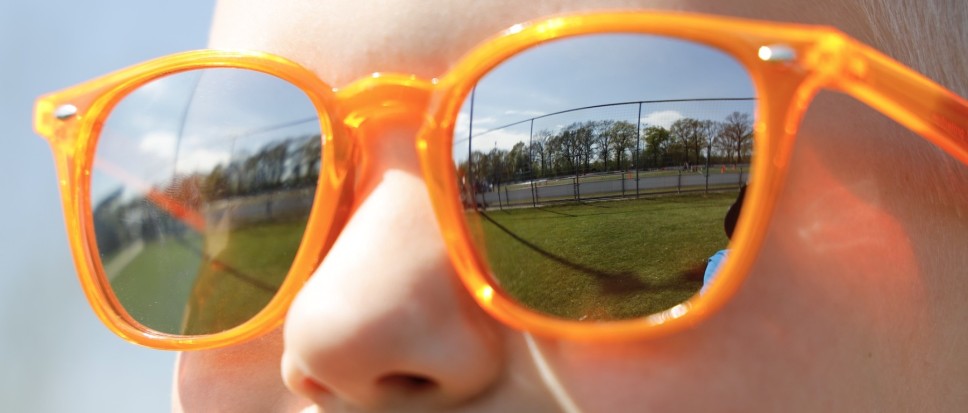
{"x": 846, "y": 228}
{"x": 241, "y": 378}
{"x": 839, "y": 239}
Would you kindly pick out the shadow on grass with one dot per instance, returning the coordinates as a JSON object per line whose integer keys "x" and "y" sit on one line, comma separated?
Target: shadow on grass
{"x": 550, "y": 211}
{"x": 695, "y": 273}
{"x": 224, "y": 267}
{"x": 627, "y": 283}
{"x": 611, "y": 282}
{"x": 596, "y": 204}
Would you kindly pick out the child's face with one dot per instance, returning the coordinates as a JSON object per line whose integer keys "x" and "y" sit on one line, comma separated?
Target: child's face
{"x": 853, "y": 304}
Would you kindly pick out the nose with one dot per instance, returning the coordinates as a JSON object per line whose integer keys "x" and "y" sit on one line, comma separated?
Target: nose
{"x": 384, "y": 320}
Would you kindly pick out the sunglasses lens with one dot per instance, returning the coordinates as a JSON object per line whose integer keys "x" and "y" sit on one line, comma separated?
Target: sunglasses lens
{"x": 201, "y": 187}
{"x": 598, "y": 172}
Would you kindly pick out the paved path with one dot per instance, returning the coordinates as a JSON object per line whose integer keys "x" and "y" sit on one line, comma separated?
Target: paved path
{"x": 113, "y": 268}
{"x": 616, "y": 186}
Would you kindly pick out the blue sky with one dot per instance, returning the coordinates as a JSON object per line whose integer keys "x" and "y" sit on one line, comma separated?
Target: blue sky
{"x": 55, "y": 355}
{"x": 597, "y": 70}
{"x": 193, "y": 121}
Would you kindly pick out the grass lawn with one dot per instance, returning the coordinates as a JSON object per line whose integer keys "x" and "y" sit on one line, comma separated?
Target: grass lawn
{"x": 173, "y": 285}
{"x": 589, "y": 261}
{"x": 605, "y": 260}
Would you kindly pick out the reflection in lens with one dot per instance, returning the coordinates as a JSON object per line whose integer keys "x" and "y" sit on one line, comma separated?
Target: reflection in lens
{"x": 597, "y": 171}
{"x": 201, "y": 188}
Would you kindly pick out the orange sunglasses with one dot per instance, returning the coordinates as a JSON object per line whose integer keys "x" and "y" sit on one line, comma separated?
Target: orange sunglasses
{"x": 786, "y": 66}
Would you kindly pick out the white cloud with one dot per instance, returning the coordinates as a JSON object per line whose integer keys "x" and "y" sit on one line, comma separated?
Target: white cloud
{"x": 500, "y": 139}
{"x": 200, "y": 159}
{"x": 158, "y": 144}
{"x": 463, "y": 121}
{"x": 663, "y": 118}
{"x": 158, "y": 148}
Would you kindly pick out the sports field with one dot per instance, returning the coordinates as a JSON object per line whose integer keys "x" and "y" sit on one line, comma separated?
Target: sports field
{"x": 182, "y": 284}
{"x": 605, "y": 260}
{"x": 588, "y": 261}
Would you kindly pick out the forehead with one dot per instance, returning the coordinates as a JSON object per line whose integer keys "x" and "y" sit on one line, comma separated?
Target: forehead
{"x": 345, "y": 40}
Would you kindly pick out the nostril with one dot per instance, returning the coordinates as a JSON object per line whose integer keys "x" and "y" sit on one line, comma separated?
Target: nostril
{"x": 314, "y": 387}
{"x": 410, "y": 383}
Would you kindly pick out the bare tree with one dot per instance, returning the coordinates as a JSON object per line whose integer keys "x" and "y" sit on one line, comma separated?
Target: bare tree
{"x": 708, "y": 130}
{"x": 603, "y": 140}
{"x": 737, "y": 133}
{"x": 540, "y": 152}
{"x": 688, "y": 133}
{"x": 585, "y": 139}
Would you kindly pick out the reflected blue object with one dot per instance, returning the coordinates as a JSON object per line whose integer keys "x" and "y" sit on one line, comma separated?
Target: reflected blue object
{"x": 712, "y": 268}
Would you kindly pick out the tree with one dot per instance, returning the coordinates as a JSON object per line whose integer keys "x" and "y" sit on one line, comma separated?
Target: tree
{"x": 583, "y": 136}
{"x": 736, "y": 133}
{"x": 308, "y": 159}
{"x": 657, "y": 141}
{"x": 517, "y": 162}
{"x": 479, "y": 171}
{"x": 540, "y": 153}
{"x": 708, "y": 130}
{"x": 722, "y": 145}
{"x": 498, "y": 162}
{"x": 603, "y": 140}
{"x": 216, "y": 184}
{"x": 566, "y": 147}
{"x": 688, "y": 133}
{"x": 622, "y": 136}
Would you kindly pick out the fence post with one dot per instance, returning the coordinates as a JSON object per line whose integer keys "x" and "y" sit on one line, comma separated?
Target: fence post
{"x": 534, "y": 201}
{"x": 577, "y": 188}
{"x": 707, "y": 180}
{"x": 622, "y": 176}
{"x": 638, "y": 138}
{"x": 679, "y": 182}
{"x": 507, "y": 199}
{"x": 709, "y": 148}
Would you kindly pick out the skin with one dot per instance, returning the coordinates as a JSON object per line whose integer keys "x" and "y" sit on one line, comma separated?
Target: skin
{"x": 855, "y": 302}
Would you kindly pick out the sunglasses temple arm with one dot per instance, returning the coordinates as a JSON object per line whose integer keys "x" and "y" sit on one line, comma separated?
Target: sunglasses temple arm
{"x": 907, "y": 97}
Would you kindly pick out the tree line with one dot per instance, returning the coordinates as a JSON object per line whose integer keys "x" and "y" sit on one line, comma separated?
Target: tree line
{"x": 286, "y": 164}
{"x": 609, "y": 145}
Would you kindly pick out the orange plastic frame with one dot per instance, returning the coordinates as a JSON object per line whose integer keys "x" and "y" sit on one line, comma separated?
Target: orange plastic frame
{"x": 788, "y": 65}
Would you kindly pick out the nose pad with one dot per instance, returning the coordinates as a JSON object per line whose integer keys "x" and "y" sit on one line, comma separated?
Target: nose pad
{"x": 382, "y": 105}
{"x": 383, "y": 98}
{"x": 381, "y": 115}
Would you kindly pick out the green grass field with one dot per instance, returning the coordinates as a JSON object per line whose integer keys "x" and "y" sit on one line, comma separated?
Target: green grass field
{"x": 588, "y": 261}
{"x": 176, "y": 285}
{"x": 605, "y": 260}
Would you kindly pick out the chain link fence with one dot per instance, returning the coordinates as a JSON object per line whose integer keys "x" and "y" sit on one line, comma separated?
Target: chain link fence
{"x": 621, "y": 150}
